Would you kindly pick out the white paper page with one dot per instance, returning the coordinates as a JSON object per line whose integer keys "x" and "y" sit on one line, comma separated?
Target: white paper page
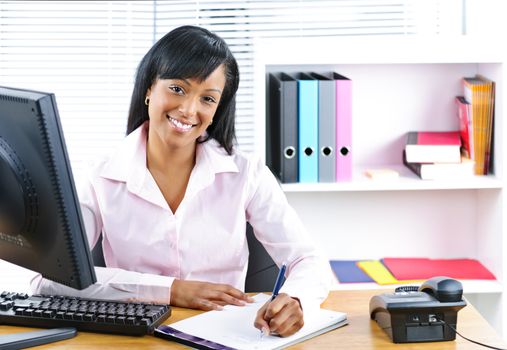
{"x": 233, "y": 326}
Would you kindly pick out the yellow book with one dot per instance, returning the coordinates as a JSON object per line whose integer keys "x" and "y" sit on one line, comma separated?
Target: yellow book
{"x": 479, "y": 92}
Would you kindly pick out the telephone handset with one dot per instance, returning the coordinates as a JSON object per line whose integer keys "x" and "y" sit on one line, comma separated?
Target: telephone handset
{"x": 420, "y": 314}
{"x": 442, "y": 288}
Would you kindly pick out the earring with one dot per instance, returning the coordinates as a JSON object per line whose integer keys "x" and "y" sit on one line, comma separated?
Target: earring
{"x": 146, "y": 100}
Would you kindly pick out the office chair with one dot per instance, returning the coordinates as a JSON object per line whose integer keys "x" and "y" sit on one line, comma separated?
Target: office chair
{"x": 261, "y": 273}
{"x": 262, "y": 270}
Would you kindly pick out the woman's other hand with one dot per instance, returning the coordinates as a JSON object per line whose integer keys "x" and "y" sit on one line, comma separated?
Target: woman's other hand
{"x": 206, "y": 296}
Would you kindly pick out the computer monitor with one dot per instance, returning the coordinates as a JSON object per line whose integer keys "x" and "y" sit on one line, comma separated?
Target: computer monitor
{"x": 41, "y": 227}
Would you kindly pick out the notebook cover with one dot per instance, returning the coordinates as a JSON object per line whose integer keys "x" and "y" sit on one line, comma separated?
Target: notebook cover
{"x": 424, "y": 268}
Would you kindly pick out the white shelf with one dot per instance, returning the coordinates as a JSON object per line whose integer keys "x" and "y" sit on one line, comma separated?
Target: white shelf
{"x": 407, "y": 181}
{"x": 469, "y": 286}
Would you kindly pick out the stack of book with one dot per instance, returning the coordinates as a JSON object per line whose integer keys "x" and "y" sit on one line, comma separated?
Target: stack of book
{"x": 436, "y": 155}
{"x": 476, "y": 114}
{"x": 309, "y": 127}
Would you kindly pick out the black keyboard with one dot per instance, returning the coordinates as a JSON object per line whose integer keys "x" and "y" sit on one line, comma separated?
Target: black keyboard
{"x": 49, "y": 311}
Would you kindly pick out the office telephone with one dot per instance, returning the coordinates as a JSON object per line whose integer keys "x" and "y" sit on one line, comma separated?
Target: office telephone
{"x": 420, "y": 314}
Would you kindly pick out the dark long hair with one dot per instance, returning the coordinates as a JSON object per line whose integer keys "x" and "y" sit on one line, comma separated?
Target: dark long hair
{"x": 183, "y": 53}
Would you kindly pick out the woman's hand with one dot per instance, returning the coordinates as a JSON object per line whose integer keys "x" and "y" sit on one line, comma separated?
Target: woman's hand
{"x": 283, "y": 316}
{"x": 206, "y": 296}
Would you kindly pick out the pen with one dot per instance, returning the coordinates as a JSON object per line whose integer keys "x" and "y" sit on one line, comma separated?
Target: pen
{"x": 278, "y": 285}
{"x": 279, "y": 280}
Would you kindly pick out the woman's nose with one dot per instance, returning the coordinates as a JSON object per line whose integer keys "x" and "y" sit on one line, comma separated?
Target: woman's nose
{"x": 188, "y": 107}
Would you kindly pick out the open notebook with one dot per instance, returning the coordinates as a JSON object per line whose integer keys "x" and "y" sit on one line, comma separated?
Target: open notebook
{"x": 232, "y": 328}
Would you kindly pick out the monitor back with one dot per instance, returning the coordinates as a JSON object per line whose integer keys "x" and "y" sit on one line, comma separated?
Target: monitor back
{"x": 41, "y": 227}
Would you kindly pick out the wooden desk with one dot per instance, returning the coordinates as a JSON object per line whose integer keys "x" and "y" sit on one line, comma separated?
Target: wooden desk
{"x": 361, "y": 333}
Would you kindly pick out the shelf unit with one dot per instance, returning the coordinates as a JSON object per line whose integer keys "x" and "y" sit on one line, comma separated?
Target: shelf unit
{"x": 401, "y": 84}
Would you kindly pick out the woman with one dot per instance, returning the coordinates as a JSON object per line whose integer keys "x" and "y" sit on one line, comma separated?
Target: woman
{"x": 172, "y": 201}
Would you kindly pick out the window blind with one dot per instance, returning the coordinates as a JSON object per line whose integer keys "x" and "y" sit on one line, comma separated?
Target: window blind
{"x": 86, "y": 52}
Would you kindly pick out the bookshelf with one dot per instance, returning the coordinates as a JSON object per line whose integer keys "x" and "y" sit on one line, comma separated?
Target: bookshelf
{"x": 401, "y": 84}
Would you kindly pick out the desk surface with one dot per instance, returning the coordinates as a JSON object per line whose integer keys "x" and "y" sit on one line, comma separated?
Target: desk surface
{"x": 361, "y": 333}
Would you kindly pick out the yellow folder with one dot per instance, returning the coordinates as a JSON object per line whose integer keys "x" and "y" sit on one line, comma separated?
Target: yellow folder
{"x": 379, "y": 273}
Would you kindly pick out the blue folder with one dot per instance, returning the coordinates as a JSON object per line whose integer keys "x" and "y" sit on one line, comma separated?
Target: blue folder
{"x": 347, "y": 271}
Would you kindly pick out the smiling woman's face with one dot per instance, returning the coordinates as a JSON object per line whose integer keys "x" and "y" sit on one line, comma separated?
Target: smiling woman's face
{"x": 180, "y": 110}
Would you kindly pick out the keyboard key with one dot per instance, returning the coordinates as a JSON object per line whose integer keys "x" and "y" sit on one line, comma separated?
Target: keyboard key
{"x": 28, "y": 312}
{"x": 9, "y": 296}
{"x": 38, "y": 313}
{"x": 48, "y": 314}
{"x": 6, "y": 305}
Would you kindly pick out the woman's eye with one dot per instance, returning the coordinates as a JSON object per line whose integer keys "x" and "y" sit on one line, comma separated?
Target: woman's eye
{"x": 176, "y": 89}
{"x": 209, "y": 99}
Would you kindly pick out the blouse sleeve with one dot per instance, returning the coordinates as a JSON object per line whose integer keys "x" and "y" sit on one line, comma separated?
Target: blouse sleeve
{"x": 277, "y": 226}
{"x": 112, "y": 283}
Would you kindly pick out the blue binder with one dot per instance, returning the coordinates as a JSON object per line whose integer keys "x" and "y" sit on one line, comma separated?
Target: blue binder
{"x": 308, "y": 127}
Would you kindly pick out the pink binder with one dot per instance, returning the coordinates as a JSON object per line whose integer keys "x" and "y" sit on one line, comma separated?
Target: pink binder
{"x": 343, "y": 128}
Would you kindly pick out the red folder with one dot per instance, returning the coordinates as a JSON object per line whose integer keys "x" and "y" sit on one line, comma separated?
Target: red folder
{"x": 424, "y": 268}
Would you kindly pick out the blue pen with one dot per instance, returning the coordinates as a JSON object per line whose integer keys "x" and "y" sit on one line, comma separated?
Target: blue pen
{"x": 279, "y": 281}
{"x": 278, "y": 285}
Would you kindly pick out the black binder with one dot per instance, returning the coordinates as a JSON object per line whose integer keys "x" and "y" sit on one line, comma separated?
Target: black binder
{"x": 282, "y": 127}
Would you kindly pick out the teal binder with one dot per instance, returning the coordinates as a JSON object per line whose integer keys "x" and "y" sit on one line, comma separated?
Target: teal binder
{"x": 308, "y": 127}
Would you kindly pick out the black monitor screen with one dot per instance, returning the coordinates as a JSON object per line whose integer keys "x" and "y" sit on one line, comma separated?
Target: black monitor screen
{"x": 41, "y": 227}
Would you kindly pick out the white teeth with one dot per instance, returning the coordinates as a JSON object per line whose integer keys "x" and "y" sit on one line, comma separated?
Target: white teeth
{"x": 180, "y": 124}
